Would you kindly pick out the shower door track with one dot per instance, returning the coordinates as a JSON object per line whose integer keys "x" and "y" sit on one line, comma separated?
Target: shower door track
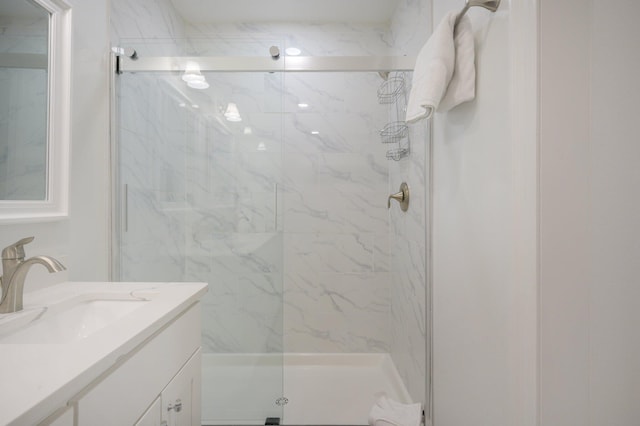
{"x": 268, "y": 64}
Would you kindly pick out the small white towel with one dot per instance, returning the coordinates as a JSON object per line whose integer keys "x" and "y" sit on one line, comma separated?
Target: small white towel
{"x": 462, "y": 87}
{"x": 444, "y": 74}
{"x": 387, "y": 412}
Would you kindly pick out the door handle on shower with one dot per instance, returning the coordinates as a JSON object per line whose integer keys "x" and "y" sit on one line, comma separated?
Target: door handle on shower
{"x": 125, "y": 210}
{"x": 401, "y": 197}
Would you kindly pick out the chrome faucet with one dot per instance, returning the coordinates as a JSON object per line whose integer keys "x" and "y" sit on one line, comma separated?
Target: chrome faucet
{"x": 14, "y": 270}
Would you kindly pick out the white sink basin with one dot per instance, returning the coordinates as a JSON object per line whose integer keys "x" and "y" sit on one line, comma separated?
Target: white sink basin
{"x": 68, "y": 321}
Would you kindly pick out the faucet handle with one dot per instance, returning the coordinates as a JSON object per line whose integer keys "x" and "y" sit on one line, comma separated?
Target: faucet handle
{"x": 16, "y": 250}
{"x": 401, "y": 197}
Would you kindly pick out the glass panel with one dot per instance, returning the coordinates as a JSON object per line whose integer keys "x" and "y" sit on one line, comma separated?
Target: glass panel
{"x": 200, "y": 174}
{"x": 337, "y": 306}
{"x": 354, "y": 270}
{"x": 272, "y": 187}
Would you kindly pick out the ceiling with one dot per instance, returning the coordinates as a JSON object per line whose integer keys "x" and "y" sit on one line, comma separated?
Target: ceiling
{"x": 337, "y": 11}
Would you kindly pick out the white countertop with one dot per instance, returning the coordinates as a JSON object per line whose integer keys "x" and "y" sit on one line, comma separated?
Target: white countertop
{"x": 37, "y": 379}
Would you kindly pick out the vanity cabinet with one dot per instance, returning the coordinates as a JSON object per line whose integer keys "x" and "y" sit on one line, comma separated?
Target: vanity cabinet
{"x": 157, "y": 384}
{"x": 179, "y": 402}
{"x": 103, "y": 353}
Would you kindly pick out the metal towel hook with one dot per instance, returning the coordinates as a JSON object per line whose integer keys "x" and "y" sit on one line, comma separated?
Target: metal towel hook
{"x": 491, "y": 5}
{"x": 401, "y": 197}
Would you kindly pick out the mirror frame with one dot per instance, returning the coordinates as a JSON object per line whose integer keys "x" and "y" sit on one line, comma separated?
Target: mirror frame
{"x": 55, "y": 206}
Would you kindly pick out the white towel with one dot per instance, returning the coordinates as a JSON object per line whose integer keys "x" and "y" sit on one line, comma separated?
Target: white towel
{"x": 462, "y": 87}
{"x": 444, "y": 75}
{"x": 387, "y": 412}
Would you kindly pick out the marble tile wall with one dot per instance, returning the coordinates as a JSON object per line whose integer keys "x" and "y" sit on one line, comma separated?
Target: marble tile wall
{"x": 411, "y": 26}
{"x": 335, "y": 218}
{"x": 320, "y": 244}
{"x": 300, "y": 221}
{"x": 152, "y": 166}
{"x": 152, "y": 27}
{"x": 304, "y": 221}
{"x": 202, "y": 200}
{"x": 410, "y": 29}
{"x": 409, "y": 263}
{"x": 313, "y": 39}
{"x": 235, "y": 240}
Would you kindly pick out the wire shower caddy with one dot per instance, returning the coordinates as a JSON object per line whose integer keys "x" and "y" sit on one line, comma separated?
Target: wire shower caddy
{"x": 393, "y": 92}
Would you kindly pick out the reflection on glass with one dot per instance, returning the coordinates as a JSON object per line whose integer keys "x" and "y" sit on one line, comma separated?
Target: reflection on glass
{"x": 23, "y": 100}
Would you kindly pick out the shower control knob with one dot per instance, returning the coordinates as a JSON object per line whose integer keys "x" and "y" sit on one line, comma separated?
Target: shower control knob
{"x": 274, "y": 51}
{"x": 402, "y": 197}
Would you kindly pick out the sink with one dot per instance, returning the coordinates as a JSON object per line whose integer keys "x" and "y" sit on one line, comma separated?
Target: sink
{"x": 67, "y": 321}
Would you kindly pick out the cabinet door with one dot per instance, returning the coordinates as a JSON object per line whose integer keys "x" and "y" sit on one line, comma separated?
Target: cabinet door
{"x": 181, "y": 397}
{"x": 153, "y": 416}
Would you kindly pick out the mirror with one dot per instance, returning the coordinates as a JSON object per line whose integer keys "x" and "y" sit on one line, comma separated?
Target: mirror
{"x": 34, "y": 109}
{"x": 23, "y": 100}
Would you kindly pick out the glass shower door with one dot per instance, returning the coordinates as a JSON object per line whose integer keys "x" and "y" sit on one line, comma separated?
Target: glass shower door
{"x": 198, "y": 172}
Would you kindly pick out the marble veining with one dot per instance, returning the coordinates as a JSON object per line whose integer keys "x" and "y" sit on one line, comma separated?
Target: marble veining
{"x": 408, "y": 240}
{"x": 346, "y": 309}
{"x": 315, "y": 39}
{"x": 409, "y": 30}
{"x": 218, "y": 209}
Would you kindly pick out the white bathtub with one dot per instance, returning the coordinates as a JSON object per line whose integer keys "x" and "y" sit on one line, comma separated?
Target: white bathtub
{"x": 321, "y": 388}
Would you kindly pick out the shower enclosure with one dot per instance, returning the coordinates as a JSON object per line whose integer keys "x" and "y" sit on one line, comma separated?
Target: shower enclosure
{"x": 265, "y": 177}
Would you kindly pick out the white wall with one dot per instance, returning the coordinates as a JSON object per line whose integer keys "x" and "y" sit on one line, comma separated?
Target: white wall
{"x": 484, "y": 203}
{"x": 81, "y": 241}
{"x": 89, "y": 180}
{"x": 589, "y": 347}
{"x": 471, "y": 244}
{"x": 589, "y": 233}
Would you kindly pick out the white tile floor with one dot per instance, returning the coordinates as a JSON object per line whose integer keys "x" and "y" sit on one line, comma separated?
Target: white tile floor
{"x": 322, "y": 389}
